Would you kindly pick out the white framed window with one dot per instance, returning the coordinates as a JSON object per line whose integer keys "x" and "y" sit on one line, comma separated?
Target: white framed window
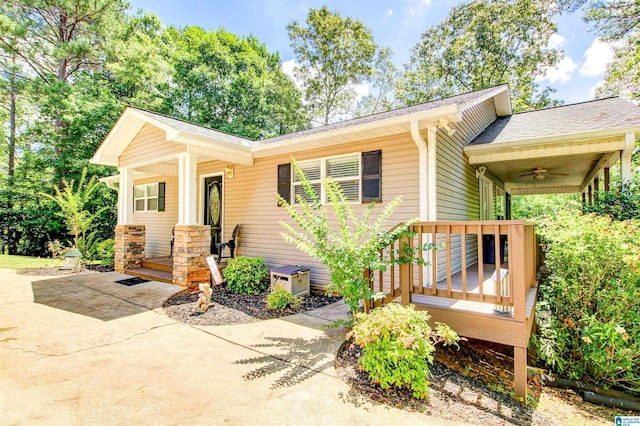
{"x": 344, "y": 169}
{"x": 145, "y": 198}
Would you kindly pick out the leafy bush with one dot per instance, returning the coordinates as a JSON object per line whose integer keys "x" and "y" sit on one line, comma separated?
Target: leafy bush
{"x": 619, "y": 204}
{"x": 280, "y": 299}
{"x": 346, "y": 245}
{"x": 588, "y": 311}
{"x": 397, "y": 346}
{"x": 244, "y": 275}
{"x": 106, "y": 252}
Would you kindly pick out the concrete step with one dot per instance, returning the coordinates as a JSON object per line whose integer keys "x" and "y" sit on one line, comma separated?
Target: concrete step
{"x": 165, "y": 265}
{"x": 152, "y": 274}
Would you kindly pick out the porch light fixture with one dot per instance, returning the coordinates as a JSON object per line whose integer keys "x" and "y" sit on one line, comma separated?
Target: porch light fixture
{"x": 540, "y": 176}
{"x": 480, "y": 171}
{"x": 444, "y": 124}
{"x": 228, "y": 171}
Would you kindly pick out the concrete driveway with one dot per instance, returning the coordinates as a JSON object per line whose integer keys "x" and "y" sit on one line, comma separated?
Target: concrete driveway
{"x": 82, "y": 349}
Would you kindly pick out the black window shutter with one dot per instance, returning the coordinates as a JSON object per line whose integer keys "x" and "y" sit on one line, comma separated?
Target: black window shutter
{"x": 161, "y": 190}
{"x": 284, "y": 182}
{"x": 372, "y": 177}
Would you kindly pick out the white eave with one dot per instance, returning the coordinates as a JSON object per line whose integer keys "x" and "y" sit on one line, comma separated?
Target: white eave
{"x": 133, "y": 120}
{"x": 602, "y": 140}
{"x": 211, "y": 144}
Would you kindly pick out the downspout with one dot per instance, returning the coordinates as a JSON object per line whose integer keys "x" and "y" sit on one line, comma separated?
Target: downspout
{"x": 423, "y": 163}
{"x": 426, "y": 170}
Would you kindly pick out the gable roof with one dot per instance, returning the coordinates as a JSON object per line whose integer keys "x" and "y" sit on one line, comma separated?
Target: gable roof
{"x": 462, "y": 101}
{"x": 232, "y": 148}
{"x": 610, "y": 115}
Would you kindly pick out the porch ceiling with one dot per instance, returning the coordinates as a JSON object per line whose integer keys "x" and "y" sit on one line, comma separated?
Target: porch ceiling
{"x": 581, "y": 160}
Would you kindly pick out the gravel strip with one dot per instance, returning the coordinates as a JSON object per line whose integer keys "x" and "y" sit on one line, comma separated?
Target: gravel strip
{"x": 230, "y": 308}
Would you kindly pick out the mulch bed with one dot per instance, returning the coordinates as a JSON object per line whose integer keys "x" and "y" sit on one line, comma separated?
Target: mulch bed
{"x": 452, "y": 395}
{"x": 231, "y": 308}
{"x": 89, "y": 269}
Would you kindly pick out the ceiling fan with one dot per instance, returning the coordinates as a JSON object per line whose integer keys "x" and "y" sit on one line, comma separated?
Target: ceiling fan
{"x": 540, "y": 173}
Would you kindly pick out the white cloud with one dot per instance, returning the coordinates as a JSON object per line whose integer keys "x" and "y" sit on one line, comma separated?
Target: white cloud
{"x": 597, "y": 57}
{"x": 362, "y": 90}
{"x": 556, "y": 41}
{"x": 560, "y": 73}
{"x": 412, "y": 11}
{"x": 287, "y": 68}
{"x": 592, "y": 91}
{"x": 426, "y": 2}
{"x": 389, "y": 12}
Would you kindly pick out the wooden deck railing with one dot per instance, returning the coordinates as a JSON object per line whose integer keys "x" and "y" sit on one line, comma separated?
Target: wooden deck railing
{"x": 459, "y": 268}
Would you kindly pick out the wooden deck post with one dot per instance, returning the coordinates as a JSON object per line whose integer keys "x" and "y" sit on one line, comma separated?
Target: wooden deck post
{"x": 606, "y": 179}
{"x": 520, "y": 372}
{"x": 405, "y": 281}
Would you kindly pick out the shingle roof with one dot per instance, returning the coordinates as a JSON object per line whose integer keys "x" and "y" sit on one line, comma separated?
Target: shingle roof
{"x": 602, "y": 114}
{"x": 458, "y": 99}
{"x": 190, "y": 127}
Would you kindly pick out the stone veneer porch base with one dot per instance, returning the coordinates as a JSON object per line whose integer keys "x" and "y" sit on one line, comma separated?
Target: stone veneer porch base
{"x": 129, "y": 247}
{"x": 191, "y": 247}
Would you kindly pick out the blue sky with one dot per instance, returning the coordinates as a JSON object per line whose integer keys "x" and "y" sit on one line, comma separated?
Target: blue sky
{"x": 397, "y": 24}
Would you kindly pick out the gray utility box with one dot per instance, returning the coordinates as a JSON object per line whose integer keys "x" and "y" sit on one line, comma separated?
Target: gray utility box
{"x": 295, "y": 279}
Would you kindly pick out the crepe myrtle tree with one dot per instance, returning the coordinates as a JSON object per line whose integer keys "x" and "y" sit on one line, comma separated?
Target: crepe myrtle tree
{"x": 347, "y": 245}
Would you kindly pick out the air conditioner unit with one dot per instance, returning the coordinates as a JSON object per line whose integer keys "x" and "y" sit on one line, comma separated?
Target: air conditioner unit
{"x": 294, "y": 279}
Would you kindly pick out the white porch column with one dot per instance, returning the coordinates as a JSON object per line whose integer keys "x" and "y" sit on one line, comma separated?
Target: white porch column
{"x": 125, "y": 196}
{"x": 187, "y": 165}
{"x": 625, "y": 157}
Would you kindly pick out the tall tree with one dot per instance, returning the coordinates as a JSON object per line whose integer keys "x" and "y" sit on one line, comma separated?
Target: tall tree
{"x": 611, "y": 20}
{"x": 61, "y": 38}
{"x": 333, "y": 54}
{"x": 616, "y": 21}
{"x": 381, "y": 96}
{"x": 230, "y": 83}
{"x": 482, "y": 44}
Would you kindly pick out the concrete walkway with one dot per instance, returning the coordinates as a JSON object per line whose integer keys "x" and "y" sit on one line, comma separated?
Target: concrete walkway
{"x": 82, "y": 349}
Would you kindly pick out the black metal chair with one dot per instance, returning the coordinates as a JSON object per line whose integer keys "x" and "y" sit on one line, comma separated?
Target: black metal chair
{"x": 231, "y": 245}
{"x": 173, "y": 240}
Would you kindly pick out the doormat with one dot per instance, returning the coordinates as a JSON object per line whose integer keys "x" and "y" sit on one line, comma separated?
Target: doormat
{"x": 132, "y": 281}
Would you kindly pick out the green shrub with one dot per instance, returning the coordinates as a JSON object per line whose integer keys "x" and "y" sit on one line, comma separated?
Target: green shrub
{"x": 346, "y": 244}
{"x": 588, "y": 313}
{"x": 106, "y": 251}
{"x": 244, "y": 275}
{"x": 397, "y": 346}
{"x": 280, "y": 299}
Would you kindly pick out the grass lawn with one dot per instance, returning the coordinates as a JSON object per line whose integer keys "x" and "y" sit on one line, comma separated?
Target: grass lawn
{"x": 20, "y": 262}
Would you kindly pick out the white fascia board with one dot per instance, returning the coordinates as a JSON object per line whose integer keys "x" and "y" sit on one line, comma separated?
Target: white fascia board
{"x": 550, "y": 140}
{"x": 117, "y": 139}
{"x": 502, "y": 101}
{"x": 212, "y": 152}
{"x": 516, "y": 189}
{"x": 327, "y": 138}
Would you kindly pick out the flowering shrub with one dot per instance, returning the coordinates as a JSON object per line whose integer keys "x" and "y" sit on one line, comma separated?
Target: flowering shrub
{"x": 346, "y": 245}
{"x": 589, "y": 311}
{"x": 397, "y": 346}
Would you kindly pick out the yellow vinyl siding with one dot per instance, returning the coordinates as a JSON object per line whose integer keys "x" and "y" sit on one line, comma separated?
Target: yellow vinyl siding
{"x": 150, "y": 143}
{"x": 158, "y": 225}
{"x": 458, "y": 193}
{"x": 249, "y": 198}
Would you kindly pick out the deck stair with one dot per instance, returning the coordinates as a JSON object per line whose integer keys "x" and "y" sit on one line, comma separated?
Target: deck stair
{"x": 156, "y": 269}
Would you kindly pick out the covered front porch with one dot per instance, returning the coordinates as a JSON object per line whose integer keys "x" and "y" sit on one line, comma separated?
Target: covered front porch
{"x": 168, "y": 218}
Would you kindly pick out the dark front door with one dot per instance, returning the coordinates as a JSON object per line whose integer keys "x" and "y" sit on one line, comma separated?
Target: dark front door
{"x": 213, "y": 209}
